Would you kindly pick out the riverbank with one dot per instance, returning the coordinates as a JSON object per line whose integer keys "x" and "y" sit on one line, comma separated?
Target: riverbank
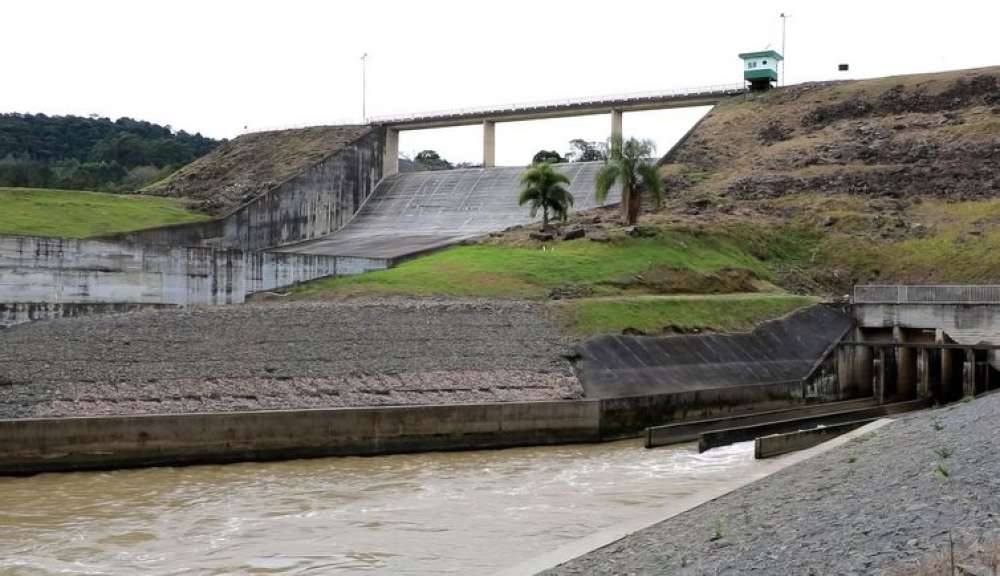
{"x": 881, "y": 504}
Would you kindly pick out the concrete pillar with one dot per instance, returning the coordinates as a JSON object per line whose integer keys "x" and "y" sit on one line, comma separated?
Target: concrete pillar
{"x": 616, "y": 124}
{"x": 906, "y": 366}
{"x": 969, "y": 374}
{"x": 924, "y": 373}
{"x": 879, "y": 374}
{"x": 390, "y": 156}
{"x": 489, "y": 143}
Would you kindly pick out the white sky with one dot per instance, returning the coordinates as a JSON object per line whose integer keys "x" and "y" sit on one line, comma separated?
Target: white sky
{"x": 216, "y": 66}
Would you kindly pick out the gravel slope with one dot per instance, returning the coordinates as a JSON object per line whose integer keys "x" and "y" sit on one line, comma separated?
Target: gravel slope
{"x": 284, "y": 356}
{"x": 875, "y": 504}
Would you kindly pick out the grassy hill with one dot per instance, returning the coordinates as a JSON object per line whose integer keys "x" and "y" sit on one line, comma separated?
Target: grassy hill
{"x": 70, "y": 214}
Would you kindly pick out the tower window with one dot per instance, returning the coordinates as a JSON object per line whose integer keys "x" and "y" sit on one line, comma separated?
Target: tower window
{"x": 764, "y": 62}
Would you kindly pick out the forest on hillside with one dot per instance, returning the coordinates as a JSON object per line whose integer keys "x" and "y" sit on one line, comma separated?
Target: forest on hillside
{"x": 93, "y": 153}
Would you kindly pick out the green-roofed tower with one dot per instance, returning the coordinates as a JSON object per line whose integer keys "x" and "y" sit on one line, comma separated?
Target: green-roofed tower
{"x": 760, "y": 69}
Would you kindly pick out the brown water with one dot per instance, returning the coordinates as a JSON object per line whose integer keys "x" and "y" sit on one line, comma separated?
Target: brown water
{"x": 458, "y": 513}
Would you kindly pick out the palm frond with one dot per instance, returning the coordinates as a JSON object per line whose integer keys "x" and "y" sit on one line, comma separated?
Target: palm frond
{"x": 606, "y": 178}
{"x": 651, "y": 181}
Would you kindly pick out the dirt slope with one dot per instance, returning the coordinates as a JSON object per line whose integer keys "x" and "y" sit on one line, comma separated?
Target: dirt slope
{"x": 242, "y": 168}
{"x": 921, "y": 135}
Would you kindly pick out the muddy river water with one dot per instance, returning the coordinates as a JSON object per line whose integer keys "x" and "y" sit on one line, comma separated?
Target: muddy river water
{"x": 460, "y": 513}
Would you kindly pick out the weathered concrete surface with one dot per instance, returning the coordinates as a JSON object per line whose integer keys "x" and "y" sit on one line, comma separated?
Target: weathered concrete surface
{"x": 316, "y": 202}
{"x": 688, "y": 431}
{"x": 39, "y": 445}
{"x": 51, "y": 277}
{"x": 725, "y": 437}
{"x": 56, "y": 271}
{"x": 870, "y": 505}
{"x": 262, "y": 357}
{"x": 778, "y": 444}
{"x": 783, "y": 351}
{"x": 418, "y": 211}
{"x": 192, "y": 234}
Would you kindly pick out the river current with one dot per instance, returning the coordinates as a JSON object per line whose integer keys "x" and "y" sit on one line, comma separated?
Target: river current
{"x": 437, "y": 513}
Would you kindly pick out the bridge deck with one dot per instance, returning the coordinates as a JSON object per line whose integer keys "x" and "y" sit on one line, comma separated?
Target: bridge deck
{"x": 703, "y": 96}
{"x": 414, "y": 212}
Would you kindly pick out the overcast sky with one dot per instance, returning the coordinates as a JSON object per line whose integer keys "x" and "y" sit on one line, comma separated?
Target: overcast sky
{"x": 217, "y": 66}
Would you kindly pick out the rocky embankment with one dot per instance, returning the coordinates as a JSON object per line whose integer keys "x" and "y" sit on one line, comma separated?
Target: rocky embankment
{"x": 279, "y": 356}
{"x": 932, "y": 135}
{"x": 885, "y": 503}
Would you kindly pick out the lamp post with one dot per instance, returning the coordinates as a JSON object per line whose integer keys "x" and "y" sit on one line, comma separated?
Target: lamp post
{"x": 784, "y": 20}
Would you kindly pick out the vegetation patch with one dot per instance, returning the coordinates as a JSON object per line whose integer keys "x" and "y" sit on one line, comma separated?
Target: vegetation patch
{"x": 70, "y": 214}
{"x": 541, "y": 270}
{"x": 673, "y": 314}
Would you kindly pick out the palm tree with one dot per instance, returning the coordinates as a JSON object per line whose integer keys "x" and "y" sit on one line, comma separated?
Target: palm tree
{"x": 627, "y": 164}
{"x": 543, "y": 187}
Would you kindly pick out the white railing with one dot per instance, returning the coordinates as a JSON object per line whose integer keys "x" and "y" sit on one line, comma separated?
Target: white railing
{"x": 526, "y": 106}
{"x": 939, "y": 294}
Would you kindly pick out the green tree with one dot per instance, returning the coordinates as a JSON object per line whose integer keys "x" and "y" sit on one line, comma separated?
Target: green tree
{"x": 627, "y": 165}
{"x": 544, "y": 188}
{"x": 431, "y": 160}
{"x": 550, "y": 156}
{"x": 583, "y": 151}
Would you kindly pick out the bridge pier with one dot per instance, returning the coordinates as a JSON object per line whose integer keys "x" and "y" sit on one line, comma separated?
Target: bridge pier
{"x": 390, "y": 157}
{"x": 489, "y": 143}
{"x": 616, "y": 124}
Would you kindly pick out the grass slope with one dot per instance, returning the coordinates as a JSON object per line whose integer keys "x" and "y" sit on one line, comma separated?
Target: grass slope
{"x": 72, "y": 214}
{"x": 580, "y": 267}
{"x": 656, "y": 314}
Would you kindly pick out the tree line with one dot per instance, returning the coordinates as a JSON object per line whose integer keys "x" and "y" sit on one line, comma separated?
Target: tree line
{"x": 92, "y": 153}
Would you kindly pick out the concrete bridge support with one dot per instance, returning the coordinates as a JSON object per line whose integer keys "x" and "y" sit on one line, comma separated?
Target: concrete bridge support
{"x": 390, "y": 159}
{"x": 489, "y": 143}
{"x": 616, "y": 124}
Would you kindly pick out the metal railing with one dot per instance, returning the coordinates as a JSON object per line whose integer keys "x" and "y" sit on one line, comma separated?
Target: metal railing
{"x": 625, "y": 98}
{"x": 939, "y": 294}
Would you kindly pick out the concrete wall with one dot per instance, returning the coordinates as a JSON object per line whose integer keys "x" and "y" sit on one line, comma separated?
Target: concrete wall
{"x": 61, "y": 444}
{"x": 55, "y": 270}
{"x": 43, "y": 278}
{"x": 193, "y": 234}
{"x": 39, "y": 445}
{"x": 317, "y": 202}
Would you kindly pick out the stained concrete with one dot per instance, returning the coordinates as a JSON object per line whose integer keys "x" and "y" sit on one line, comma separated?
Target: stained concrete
{"x": 52, "y": 277}
{"x": 784, "y": 351}
{"x": 414, "y": 212}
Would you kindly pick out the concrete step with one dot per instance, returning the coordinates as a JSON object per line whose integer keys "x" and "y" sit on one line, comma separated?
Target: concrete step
{"x": 689, "y": 431}
{"x": 717, "y": 438}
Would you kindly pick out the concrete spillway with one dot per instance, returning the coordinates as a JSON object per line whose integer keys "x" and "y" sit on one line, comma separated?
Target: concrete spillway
{"x": 414, "y": 212}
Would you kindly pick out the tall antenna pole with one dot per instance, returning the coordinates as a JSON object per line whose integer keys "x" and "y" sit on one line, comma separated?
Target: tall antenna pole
{"x": 784, "y": 20}
{"x": 364, "y": 88}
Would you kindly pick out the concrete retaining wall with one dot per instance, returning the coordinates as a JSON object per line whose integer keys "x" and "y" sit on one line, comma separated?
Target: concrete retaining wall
{"x": 42, "y": 278}
{"x": 778, "y": 444}
{"x": 317, "y": 202}
{"x": 193, "y": 234}
{"x": 58, "y": 271}
{"x": 39, "y": 445}
{"x": 60, "y": 444}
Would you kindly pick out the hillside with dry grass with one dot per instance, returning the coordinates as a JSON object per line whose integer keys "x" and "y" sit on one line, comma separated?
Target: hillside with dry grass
{"x": 890, "y": 179}
{"x": 249, "y": 165}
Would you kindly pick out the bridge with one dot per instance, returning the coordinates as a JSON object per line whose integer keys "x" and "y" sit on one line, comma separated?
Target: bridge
{"x": 489, "y": 116}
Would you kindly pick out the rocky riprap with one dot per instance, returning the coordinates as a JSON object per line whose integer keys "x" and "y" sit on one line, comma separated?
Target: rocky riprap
{"x": 881, "y": 504}
{"x": 309, "y": 355}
